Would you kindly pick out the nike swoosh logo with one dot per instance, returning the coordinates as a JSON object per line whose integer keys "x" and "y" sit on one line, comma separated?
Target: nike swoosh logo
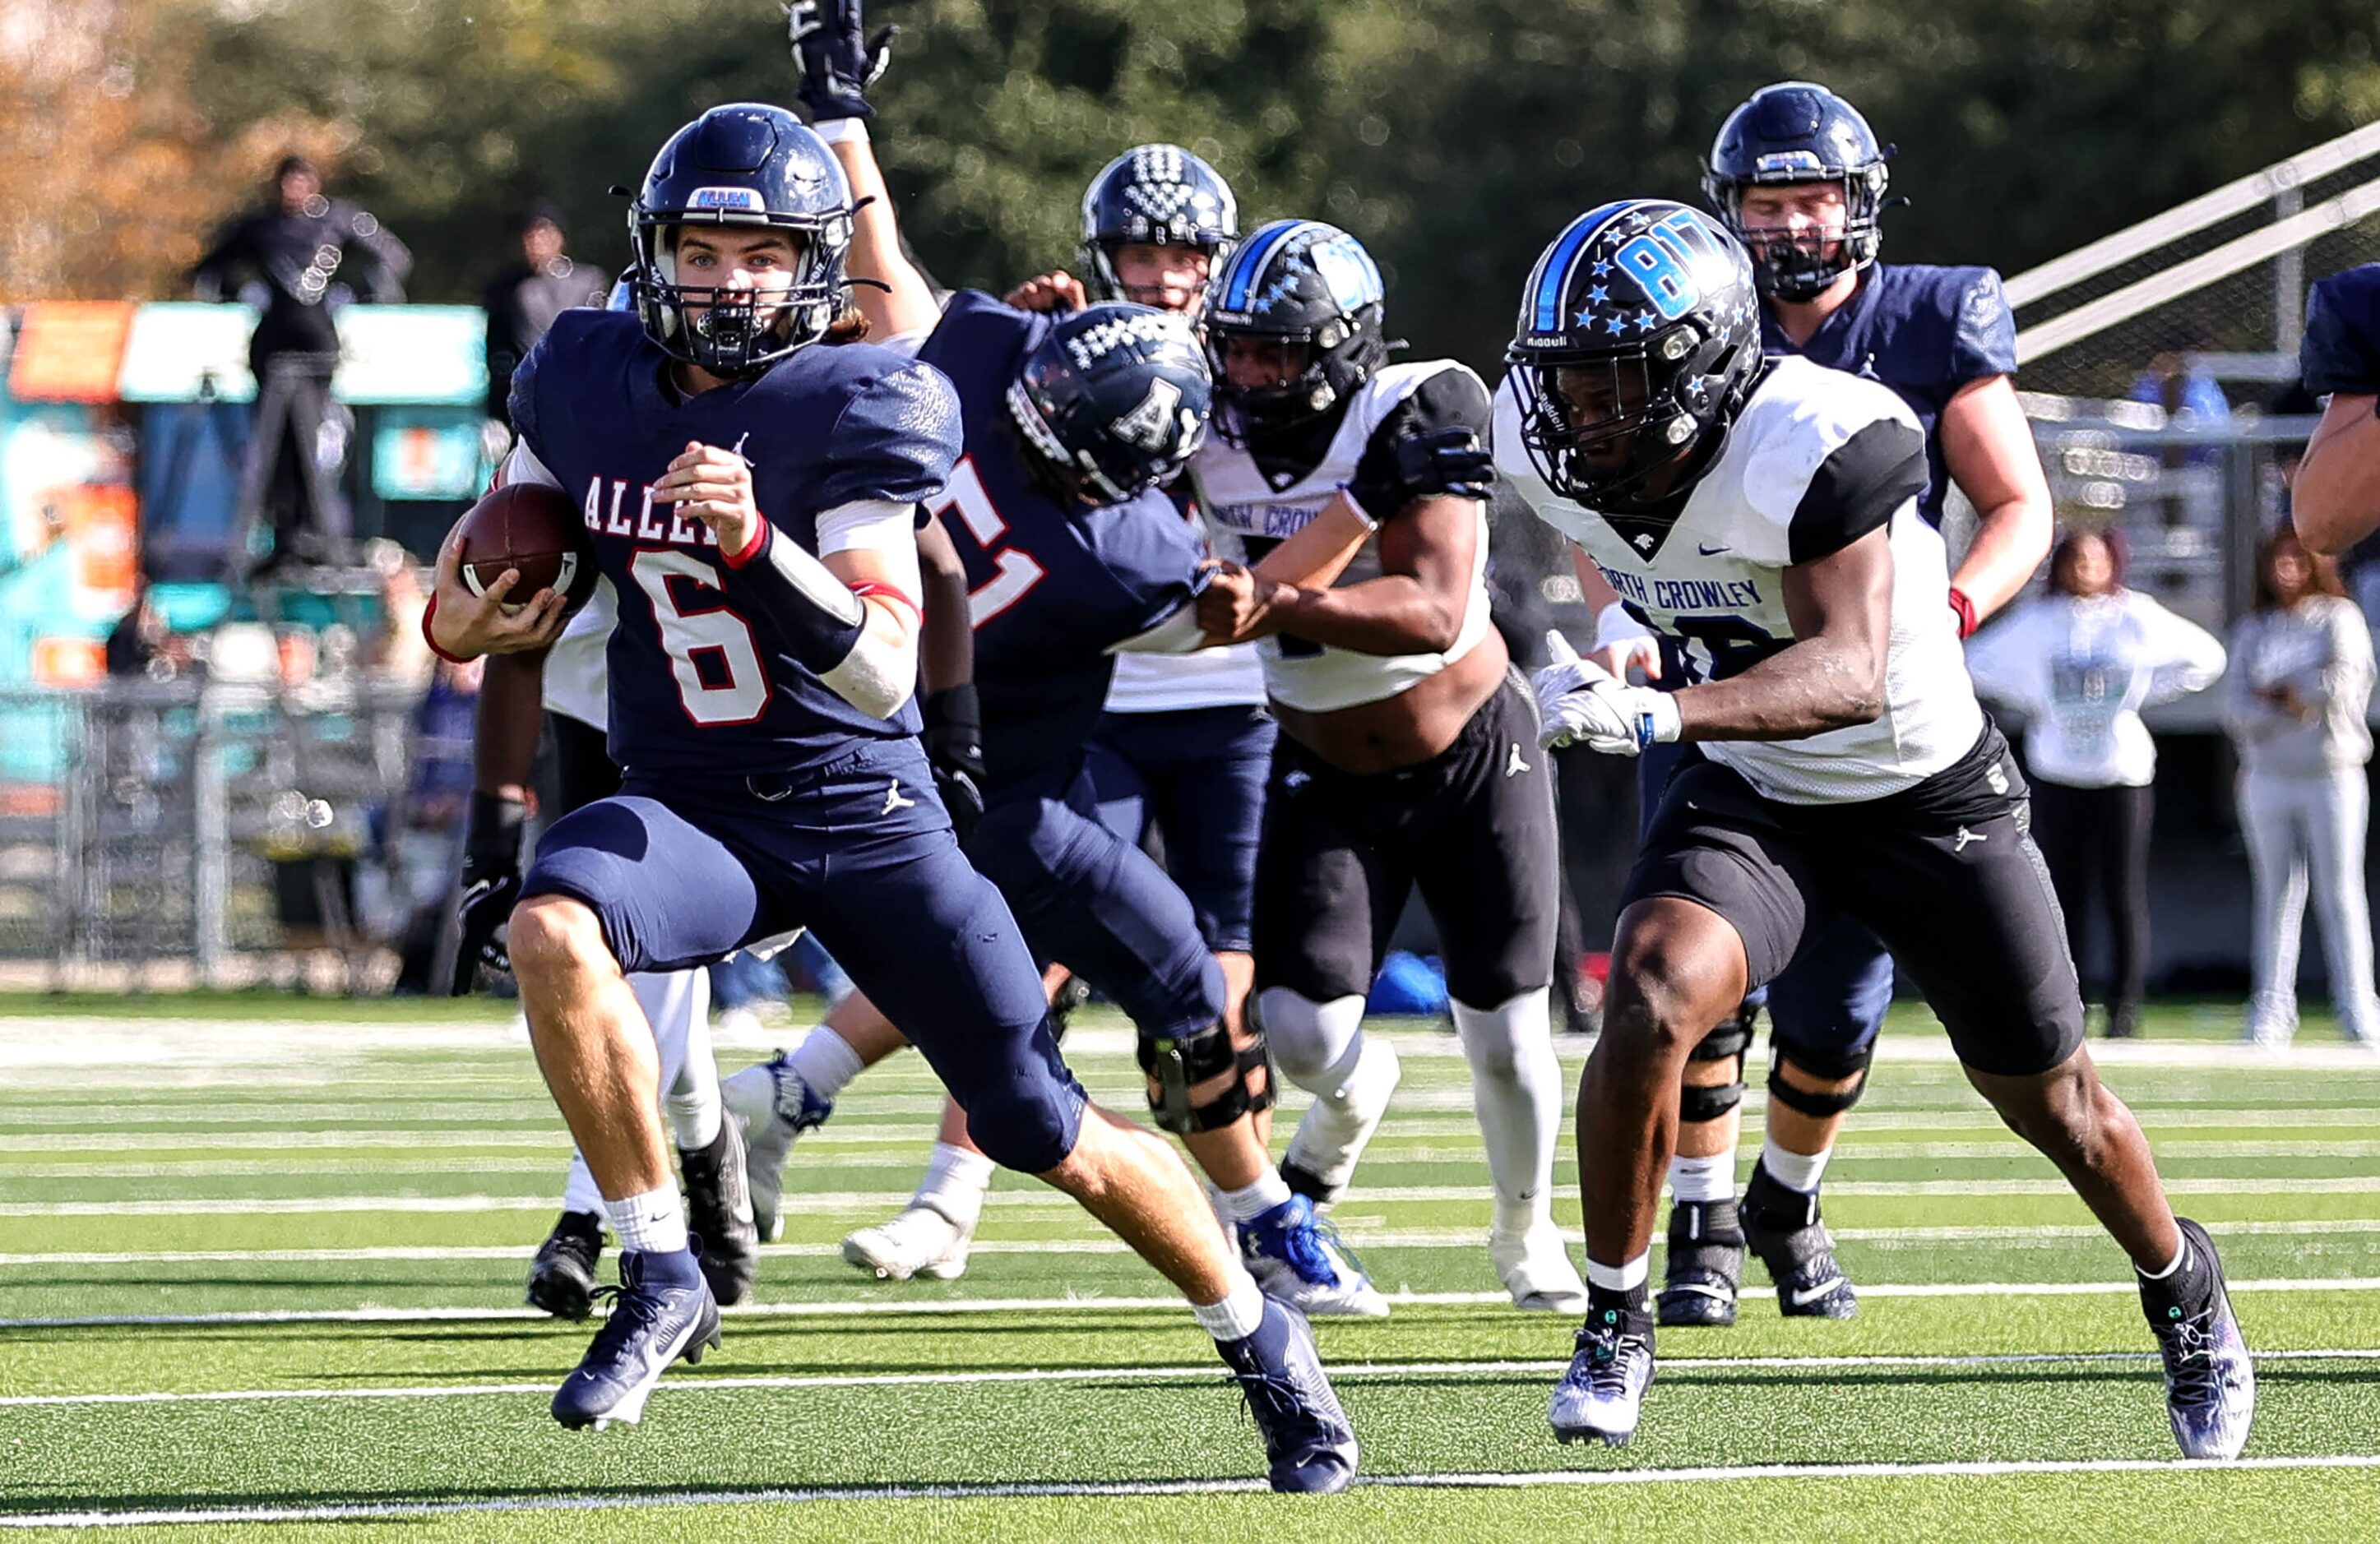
{"x": 1707, "y": 550}
{"x": 1811, "y": 1294}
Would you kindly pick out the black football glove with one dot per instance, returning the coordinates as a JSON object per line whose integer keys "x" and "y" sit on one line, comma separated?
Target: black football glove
{"x": 1447, "y": 462}
{"x": 954, "y": 740}
{"x": 491, "y": 882}
{"x": 839, "y": 60}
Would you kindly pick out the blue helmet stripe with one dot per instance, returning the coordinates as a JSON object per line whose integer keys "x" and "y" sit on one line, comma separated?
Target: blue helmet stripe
{"x": 1248, "y": 262}
{"x": 1552, "y": 277}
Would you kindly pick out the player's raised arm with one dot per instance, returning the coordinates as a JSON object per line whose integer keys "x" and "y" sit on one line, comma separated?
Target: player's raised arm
{"x": 838, "y": 60}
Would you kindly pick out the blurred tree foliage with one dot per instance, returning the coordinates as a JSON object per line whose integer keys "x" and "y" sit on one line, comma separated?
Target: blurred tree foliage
{"x": 1454, "y": 136}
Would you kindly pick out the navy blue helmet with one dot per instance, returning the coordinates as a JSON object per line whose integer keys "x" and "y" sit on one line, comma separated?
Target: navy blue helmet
{"x": 1794, "y": 132}
{"x": 1157, "y": 195}
{"x": 1308, "y": 298}
{"x": 741, "y": 166}
{"x": 1113, "y": 401}
{"x": 1638, "y": 340}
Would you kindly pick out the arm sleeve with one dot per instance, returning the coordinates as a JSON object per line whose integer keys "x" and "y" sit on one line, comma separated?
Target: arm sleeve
{"x": 1452, "y": 399}
{"x": 1983, "y": 334}
{"x": 870, "y": 524}
{"x": 895, "y": 441}
{"x": 2340, "y": 354}
{"x": 1860, "y": 486}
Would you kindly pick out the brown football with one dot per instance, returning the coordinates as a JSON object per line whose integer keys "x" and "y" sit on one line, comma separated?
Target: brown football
{"x": 536, "y": 529}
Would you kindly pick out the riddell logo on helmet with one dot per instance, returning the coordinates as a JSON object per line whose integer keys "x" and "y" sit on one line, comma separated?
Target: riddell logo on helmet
{"x": 742, "y": 200}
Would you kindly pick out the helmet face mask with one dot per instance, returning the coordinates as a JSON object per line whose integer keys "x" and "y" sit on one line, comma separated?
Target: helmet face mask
{"x": 732, "y": 173}
{"x": 1793, "y": 134}
{"x": 1113, "y": 401}
{"x": 1296, "y": 324}
{"x": 1158, "y": 195}
{"x": 1638, "y": 340}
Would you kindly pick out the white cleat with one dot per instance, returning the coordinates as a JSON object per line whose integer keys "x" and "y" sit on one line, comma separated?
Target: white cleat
{"x": 1536, "y": 1268}
{"x": 1600, "y": 1395}
{"x": 1296, "y": 1259}
{"x": 1340, "y": 1121}
{"x": 919, "y": 1242}
{"x": 771, "y": 1106}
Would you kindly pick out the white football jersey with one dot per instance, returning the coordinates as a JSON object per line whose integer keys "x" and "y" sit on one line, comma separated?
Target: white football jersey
{"x": 1712, "y": 584}
{"x": 1247, "y": 514}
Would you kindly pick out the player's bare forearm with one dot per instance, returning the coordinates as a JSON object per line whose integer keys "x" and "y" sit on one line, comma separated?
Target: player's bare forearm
{"x": 947, "y": 637}
{"x": 1988, "y": 449}
{"x": 2334, "y": 498}
{"x": 907, "y": 303}
{"x": 1322, "y": 548}
{"x": 1416, "y": 605}
{"x": 1831, "y": 676}
{"x": 510, "y": 716}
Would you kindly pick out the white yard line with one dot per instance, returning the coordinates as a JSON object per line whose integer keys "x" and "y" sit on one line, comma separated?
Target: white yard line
{"x": 994, "y": 1490}
{"x": 697, "y": 1384}
{"x": 1094, "y": 1304}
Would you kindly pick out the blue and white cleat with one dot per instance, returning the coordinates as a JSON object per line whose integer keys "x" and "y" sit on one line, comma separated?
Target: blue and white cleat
{"x": 1598, "y": 1398}
{"x": 772, "y": 1104}
{"x": 2210, "y": 1384}
{"x": 1308, "y": 1445}
{"x": 1296, "y": 1259}
{"x": 651, "y": 1324}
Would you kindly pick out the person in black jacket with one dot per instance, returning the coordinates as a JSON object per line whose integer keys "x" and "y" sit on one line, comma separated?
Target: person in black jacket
{"x": 523, "y": 300}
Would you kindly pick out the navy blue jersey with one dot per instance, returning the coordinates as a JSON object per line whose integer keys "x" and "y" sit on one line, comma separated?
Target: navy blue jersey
{"x": 700, "y": 679}
{"x": 1050, "y": 588}
{"x": 1924, "y": 331}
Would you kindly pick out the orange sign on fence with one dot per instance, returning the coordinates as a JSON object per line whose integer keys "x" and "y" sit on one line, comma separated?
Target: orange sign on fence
{"x": 71, "y": 351}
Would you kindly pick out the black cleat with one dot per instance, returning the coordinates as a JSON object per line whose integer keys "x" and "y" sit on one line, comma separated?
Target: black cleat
{"x": 2210, "y": 1384}
{"x": 718, "y": 1215}
{"x": 1705, "y": 1266}
{"x": 561, "y": 1280}
{"x": 1782, "y": 1227}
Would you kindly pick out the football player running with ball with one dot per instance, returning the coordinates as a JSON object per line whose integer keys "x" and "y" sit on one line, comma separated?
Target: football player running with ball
{"x": 751, "y": 481}
{"x": 1761, "y": 516}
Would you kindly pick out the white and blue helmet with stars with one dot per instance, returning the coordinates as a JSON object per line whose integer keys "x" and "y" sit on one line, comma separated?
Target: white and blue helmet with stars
{"x": 1638, "y": 340}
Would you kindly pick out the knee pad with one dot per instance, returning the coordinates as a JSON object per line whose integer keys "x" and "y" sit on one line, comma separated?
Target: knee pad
{"x": 1496, "y": 1041}
{"x": 1701, "y": 1103}
{"x": 1819, "y": 1105}
{"x": 1180, "y": 1062}
{"x": 1306, "y": 1037}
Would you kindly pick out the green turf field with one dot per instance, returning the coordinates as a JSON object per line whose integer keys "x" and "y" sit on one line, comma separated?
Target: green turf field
{"x": 259, "y": 1276}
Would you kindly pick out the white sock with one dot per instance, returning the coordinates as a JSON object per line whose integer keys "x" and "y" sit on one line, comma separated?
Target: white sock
{"x": 653, "y": 1220}
{"x": 1247, "y": 1205}
{"x": 691, "y": 1100}
{"x": 1703, "y": 1179}
{"x": 1516, "y": 1092}
{"x": 1620, "y": 1278}
{"x": 825, "y": 1062}
{"x": 580, "y": 1192}
{"x": 956, "y": 1179}
{"x": 1795, "y": 1171}
{"x": 1237, "y": 1316}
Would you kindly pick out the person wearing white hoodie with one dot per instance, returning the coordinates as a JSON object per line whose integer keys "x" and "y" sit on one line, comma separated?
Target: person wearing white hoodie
{"x": 2295, "y": 703}
{"x": 2081, "y": 662}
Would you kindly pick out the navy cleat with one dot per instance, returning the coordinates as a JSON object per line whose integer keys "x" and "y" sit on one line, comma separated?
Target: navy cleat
{"x": 1297, "y": 1260}
{"x": 2210, "y": 1384}
{"x": 1308, "y": 1443}
{"x": 1782, "y": 1227}
{"x": 651, "y": 1324}
{"x": 718, "y": 1215}
{"x": 1705, "y": 1266}
{"x": 1600, "y": 1398}
{"x": 561, "y": 1280}
{"x": 772, "y": 1106}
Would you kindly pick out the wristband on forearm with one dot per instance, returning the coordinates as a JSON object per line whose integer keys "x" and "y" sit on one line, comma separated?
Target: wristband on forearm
{"x": 1964, "y": 611}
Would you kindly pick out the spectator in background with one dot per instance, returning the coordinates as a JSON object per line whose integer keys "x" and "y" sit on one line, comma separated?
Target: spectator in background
{"x": 2334, "y": 499}
{"x": 311, "y": 255}
{"x": 2302, "y": 667}
{"x": 523, "y": 300}
{"x": 399, "y": 653}
{"x": 2081, "y": 663}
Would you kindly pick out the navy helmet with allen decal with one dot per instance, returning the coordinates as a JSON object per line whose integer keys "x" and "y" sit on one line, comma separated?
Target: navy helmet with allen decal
{"x": 1113, "y": 401}
{"x": 741, "y": 166}
{"x": 1638, "y": 342}
{"x": 1795, "y": 132}
{"x": 1160, "y": 196}
{"x": 1304, "y": 302}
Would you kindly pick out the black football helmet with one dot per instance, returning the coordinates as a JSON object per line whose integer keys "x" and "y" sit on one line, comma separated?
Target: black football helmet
{"x": 1795, "y": 132}
{"x": 1113, "y": 401}
{"x": 1646, "y": 309}
{"x": 1161, "y": 195}
{"x": 744, "y": 164}
{"x": 1295, "y": 281}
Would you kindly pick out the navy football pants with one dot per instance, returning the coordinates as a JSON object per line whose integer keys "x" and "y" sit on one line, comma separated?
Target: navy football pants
{"x": 681, "y": 870}
{"x": 1197, "y": 774}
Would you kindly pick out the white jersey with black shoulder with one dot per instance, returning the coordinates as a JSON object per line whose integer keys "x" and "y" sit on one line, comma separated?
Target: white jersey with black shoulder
{"x": 1249, "y": 511}
{"x": 1817, "y": 459}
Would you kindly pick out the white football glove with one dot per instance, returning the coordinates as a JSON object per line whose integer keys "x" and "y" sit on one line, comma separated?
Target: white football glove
{"x": 1579, "y": 700}
{"x": 1622, "y": 643}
